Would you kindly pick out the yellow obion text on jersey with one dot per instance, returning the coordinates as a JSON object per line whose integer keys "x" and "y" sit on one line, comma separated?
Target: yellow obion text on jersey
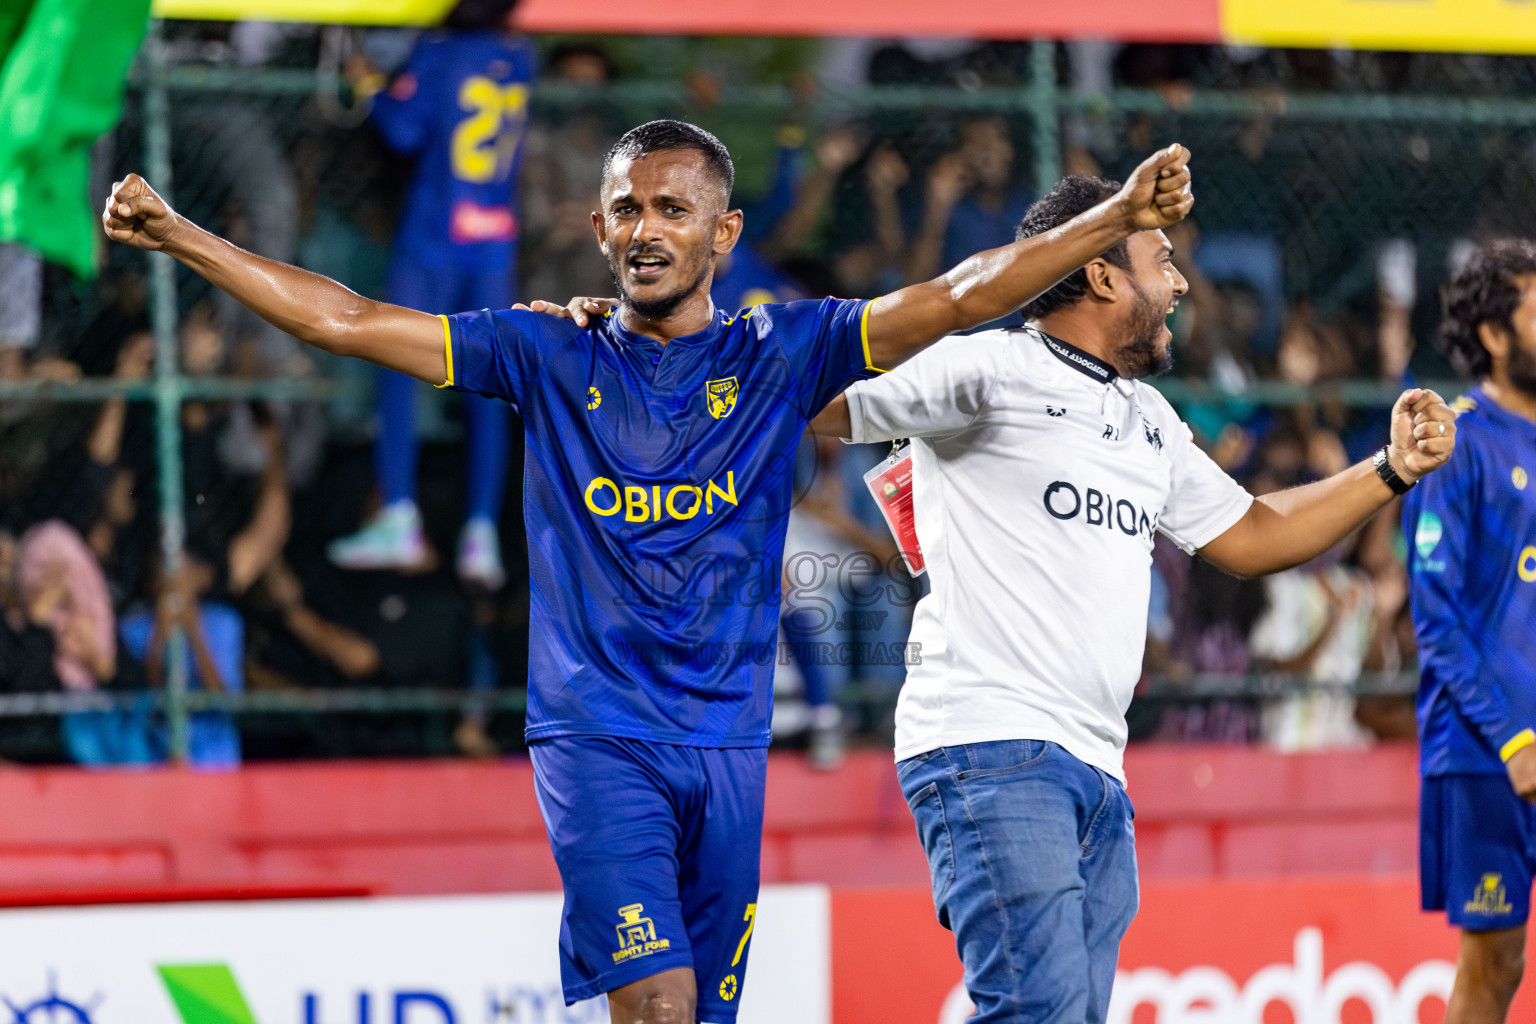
{"x": 605, "y": 497}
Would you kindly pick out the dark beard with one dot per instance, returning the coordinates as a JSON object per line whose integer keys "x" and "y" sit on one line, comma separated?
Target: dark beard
{"x": 1141, "y": 356}
{"x": 1521, "y": 369}
{"x": 659, "y": 308}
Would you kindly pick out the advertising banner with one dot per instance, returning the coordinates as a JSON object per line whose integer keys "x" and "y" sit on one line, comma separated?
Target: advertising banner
{"x": 1322, "y": 951}
{"x": 1160, "y": 20}
{"x": 433, "y": 960}
{"x": 1478, "y": 26}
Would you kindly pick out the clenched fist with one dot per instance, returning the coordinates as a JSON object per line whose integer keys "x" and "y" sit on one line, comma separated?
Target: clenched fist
{"x": 1423, "y": 433}
{"x": 1158, "y": 193}
{"x": 135, "y": 215}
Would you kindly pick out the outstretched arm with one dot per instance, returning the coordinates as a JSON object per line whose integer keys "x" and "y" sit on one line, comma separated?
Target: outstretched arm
{"x": 314, "y": 309}
{"x": 997, "y": 282}
{"x": 1287, "y": 528}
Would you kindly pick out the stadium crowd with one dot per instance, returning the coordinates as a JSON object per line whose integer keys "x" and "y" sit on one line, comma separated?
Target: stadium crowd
{"x": 858, "y": 207}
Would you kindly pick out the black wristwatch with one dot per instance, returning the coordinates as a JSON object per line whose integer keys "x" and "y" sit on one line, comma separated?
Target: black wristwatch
{"x": 1388, "y": 474}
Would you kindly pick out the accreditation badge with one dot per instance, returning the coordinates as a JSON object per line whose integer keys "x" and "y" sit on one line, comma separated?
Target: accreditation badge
{"x": 891, "y": 485}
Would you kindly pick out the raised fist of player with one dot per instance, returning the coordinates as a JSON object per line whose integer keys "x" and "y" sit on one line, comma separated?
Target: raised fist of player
{"x": 135, "y": 215}
{"x": 1423, "y": 433}
{"x": 1158, "y": 195}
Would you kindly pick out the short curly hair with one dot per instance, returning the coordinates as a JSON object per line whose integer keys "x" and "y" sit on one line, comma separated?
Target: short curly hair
{"x": 1483, "y": 291}
{"x": 1074, "y": 194}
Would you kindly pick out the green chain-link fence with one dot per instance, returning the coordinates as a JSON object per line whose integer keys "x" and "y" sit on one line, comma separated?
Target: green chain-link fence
{"x": 1316, "y": 213}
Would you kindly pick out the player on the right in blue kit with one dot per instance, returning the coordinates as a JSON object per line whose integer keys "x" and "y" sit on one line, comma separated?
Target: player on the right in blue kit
{"x": 1472, "y": 561}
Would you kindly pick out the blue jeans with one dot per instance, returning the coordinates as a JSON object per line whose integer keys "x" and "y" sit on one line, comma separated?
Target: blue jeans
{"x": 1033, "y": 858}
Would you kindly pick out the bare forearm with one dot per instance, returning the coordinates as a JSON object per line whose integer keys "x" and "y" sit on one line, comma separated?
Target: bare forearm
{"x": 1287, "y": 528}
{"x": 988, "y": 285}
{"x": 997, "y": 282}
{"x": 888, "y": 230}
{"x": 316, "y": 309}
{"x": 928, "y": 244}
{"x": 833, "y": 421}
{"x": 802, "y": 216}
{"x": 254, "y": 548}
{"x": 106, "y": 441}
{"x": 202, "y": 660}
{"x": 354, "y": 654}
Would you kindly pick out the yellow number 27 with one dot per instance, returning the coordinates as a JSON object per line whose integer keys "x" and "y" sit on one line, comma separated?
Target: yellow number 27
{"x": 485, "y": 141}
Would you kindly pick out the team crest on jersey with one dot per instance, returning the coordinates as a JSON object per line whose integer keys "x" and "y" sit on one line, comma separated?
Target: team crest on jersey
{"x": 1489, "y": 897}
{"x": 1519, "y": 478}
{"x": 1052, "y": 410}
{"x": 1154, "y": 435}
{"x": 721, "y": 396}
{"x": 637, "y": 935}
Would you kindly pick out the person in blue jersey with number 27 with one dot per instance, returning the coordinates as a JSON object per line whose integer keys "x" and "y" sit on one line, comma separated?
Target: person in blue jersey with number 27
{"x": 660, "y": 446}
{"x": 460, "y": 107}
{"x": 1472, "y": 567}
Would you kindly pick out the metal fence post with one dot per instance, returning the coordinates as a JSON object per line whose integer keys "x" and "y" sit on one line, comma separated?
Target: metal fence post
{"x": 168, "y": 385}
{"x": 1046, "y": 115}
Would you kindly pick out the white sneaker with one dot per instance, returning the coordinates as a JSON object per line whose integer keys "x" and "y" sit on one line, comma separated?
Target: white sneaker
{"x": 391, "y": 540}
{"x": 825, "y": 750}
{"x": 480, "y": 555}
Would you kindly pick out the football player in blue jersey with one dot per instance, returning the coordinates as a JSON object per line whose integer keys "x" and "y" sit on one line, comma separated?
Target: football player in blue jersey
{"x": 460, "y": 107}
{"x": 1472, "y": 565}
{"x": 660, "y": 444}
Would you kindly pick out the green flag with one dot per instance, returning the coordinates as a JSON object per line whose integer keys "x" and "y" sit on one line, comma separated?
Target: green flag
{"x": 61, "y": 87}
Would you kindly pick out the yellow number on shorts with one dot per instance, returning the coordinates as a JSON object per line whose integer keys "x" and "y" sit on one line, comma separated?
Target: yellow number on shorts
{"x": 484, "y": 142}
{"x": 751, "y": 920}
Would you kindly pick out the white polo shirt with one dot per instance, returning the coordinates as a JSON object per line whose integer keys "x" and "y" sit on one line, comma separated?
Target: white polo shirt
{"x": 1039, "y": 480}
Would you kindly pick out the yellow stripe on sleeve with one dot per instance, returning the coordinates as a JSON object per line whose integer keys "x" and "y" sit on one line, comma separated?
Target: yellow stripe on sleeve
{"x": 1522, "y": 739}
{"x": 447, "y": 353}
{"x": 864, "y": 336}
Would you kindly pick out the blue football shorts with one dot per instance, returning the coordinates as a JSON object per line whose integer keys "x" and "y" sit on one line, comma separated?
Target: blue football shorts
{"x": 659, "y": 850}
{"x": 1477, "y": 851}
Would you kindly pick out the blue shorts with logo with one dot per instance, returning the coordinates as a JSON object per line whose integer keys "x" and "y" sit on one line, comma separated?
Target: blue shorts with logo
{"x": 659, "y": 850}
{"x": 1477, "y": 851}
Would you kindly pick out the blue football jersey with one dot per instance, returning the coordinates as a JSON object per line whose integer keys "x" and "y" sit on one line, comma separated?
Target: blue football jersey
{"x": 1471, "y": 529}
{"x": 460, "y": 106}
{"x": 657, "y": 487}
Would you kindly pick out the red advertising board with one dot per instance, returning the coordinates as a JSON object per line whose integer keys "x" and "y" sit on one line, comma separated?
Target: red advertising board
{"x": 1293, "y": 951}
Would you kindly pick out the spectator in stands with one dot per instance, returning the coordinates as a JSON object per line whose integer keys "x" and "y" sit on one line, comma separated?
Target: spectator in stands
{"x": 872, "y": 263}
{"x": 21, "y": 307}
{"x": 213, "y": 656}
{"x": 783, "y": 220}
{"x": 58, "y": 632}
{"x": 63, "y": 589}
{"x": 561, "y": 174}
{"x": 198, "y": 598}
{"x": 26, "y": 645}
{"x": 832, "y": 564}
{"x": 293, "y": 645}
{"x": 973, "y": 201}
{"x": 460, "y": 107}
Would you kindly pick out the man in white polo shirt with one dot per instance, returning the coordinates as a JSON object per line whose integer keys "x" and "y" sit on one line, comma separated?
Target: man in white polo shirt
{"x": 1042, "y": 468}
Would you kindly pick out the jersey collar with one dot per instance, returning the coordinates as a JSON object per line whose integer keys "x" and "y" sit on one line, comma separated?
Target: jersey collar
{"x": 1086, "y": 363}
{"x": 709, "y": 333}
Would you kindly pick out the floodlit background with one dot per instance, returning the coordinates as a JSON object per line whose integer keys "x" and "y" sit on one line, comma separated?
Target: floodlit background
{"x": 364, "y": 736}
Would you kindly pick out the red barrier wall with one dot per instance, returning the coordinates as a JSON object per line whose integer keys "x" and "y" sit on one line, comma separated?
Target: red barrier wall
{"x": 430, "y": 827}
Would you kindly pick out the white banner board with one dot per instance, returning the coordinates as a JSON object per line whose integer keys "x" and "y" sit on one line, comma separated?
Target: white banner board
{"x": 419, "y": 960}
